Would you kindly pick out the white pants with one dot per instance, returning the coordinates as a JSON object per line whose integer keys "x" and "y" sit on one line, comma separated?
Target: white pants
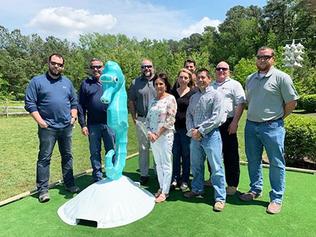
{"x": 162, "y": 151}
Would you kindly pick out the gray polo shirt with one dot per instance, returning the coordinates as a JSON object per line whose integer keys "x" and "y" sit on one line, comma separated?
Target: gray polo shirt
{"x": 233, "y": 94}
{"x": 266, "y": 96}
{"x": 141, "y": 92}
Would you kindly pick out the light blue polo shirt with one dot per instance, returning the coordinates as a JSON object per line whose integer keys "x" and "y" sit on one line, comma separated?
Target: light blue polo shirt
{"x": 266, "y": 96}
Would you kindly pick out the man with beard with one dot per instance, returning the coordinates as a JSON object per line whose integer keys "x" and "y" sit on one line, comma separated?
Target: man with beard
{"x": 95, "y": 126}
{"x": 51, "y": 100}
{"x": 140, "y": 93}
{"x": 271, "y": 97}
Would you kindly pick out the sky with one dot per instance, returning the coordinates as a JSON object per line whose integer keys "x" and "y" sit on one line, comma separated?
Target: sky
{"x": 151, "y": 19}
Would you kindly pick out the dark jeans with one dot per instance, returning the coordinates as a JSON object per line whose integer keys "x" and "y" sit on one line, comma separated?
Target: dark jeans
{"x": 47, "y": 139}
{"x": 181, "y": 156}
{"x": 96, "y": 133}
{"x": 230, "y": 154}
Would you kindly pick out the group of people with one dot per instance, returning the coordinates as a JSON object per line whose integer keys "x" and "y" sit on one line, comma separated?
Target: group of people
{"x": 197, "y": 120}
{"x": 194, "y": 120}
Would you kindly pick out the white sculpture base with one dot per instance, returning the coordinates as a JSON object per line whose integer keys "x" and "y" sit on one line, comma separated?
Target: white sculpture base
{"x": 110, "y": 203}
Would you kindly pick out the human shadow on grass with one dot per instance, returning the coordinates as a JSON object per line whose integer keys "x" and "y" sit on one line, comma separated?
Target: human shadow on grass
{"x": 235, "y": 200}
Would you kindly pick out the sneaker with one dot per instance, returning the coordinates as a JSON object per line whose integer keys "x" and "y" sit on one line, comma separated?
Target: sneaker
{"x": 231, "y": 190}
{"x": 144, "y": 180}
{"x": 249, "y": 196}
{"x": 43, "y": 197}
{"x": 161, "y": 198}
{"x": 157, "y": 194}
{"x": 191, "y": 194}
{"x": 274, "y": 208}
{"x": 173, "y": 185}
{"x": 73, "y": 189}
{"x": 184, "y": 187}
{"x": 219, "y": 206}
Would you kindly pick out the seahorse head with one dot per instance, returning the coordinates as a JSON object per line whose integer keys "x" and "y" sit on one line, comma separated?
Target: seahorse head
{"x": 112, "y": 80}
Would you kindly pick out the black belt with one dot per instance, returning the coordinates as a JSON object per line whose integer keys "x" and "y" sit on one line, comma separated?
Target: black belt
{"x": 269, "y": 121}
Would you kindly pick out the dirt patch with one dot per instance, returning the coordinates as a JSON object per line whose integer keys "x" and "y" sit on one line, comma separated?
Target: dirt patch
{"x": 302, "y": 164}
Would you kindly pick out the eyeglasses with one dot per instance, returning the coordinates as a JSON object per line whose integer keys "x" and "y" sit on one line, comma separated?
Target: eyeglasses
{"x": 146, "y": 66}
{"x": 96, "y": 66}
{"x": 221, "y": 69}
{"x": 58, "y": 64}
{"x": 264, "y": 57}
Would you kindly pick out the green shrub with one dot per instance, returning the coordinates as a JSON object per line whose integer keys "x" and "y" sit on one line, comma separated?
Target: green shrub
{"x": 308, "y": 103}
{"x": 300, "y": 138}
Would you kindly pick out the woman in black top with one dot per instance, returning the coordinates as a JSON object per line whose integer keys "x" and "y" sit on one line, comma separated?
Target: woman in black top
{"x": 181, "y": 143}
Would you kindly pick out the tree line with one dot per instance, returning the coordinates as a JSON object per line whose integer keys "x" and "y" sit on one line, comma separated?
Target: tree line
{"x": 236, "y": 41}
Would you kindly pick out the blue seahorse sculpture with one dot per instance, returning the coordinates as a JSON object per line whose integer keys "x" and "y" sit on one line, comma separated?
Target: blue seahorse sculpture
{"x": 114, "y": 94}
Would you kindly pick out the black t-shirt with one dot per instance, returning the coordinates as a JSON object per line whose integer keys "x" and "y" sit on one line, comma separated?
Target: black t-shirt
{"x": 182, "y": 103}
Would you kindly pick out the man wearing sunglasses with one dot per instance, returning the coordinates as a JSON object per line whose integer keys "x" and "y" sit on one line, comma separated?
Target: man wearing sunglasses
{"x": 92, "y": 115}
{"x": 140, "y": 93}
{"x": 271, "y": 97}
{"x": 51, "y": 100}
{"x": 234, "y": 102}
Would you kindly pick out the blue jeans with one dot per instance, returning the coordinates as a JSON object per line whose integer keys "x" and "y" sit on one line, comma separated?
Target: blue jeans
{"x": 47, "y": 139}
{"x": 269, "y": 135}
{"x": 181, "y": 156}
{"x": 211, "y": 147}
{"x": 96, "y": 133}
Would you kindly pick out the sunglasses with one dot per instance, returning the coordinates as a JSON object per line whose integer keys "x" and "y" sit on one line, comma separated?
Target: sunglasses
{"x": 58, "y": 64}
{"x": 146, "y": 66}
{"x": 96, "y": 66}
{"x": 264, "y": 57}
{"x": 221, "y": 69}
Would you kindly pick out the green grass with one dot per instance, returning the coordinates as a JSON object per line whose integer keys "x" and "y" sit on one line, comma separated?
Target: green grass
{"x": 177, "y": 216}
{"x": 19, "y": 148}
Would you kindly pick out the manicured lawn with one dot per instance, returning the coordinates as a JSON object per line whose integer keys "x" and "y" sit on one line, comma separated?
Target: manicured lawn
{"x": 177, "y": 216}
{"x": 19, "y": 148}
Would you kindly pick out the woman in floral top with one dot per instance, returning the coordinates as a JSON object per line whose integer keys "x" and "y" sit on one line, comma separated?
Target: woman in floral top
{"x": 160, "y": 125}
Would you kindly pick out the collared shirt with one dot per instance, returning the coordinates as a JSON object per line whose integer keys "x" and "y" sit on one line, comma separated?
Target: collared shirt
{"x": 233, "y": 95}
{"x": 205, "y": 111}
{"x": 266, "y": 96}
{"x": 141, "y": 92}
{"x": 90, "y": 104}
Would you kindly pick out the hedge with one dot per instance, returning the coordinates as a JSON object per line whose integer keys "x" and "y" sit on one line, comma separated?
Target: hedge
{"x": 308, "y": 103}
{"x": 300, "y": 138}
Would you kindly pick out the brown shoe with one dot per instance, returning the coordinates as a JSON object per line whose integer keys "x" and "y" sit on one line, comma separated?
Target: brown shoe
{"x": 274, "y": 208}
{"x": 219, "y": 206}
{"x": 249, "y": 196}
{"x": 231, "y": 190}
{"x": 192, "y": 194}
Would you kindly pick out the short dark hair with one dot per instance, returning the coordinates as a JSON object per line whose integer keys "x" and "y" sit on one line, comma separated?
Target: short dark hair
{"x": 164, "y": 78}
{"x": 189, "y": 61}
{"x": 266, "y": 47}
{"x": 204, "y": 70}
{"x": 57, "y": 55}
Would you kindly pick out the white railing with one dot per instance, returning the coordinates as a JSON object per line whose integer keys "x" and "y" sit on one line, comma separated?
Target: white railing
{"x": 12, "y": 110}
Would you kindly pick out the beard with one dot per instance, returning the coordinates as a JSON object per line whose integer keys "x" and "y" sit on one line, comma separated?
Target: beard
{"x": 54, "y": 73}
{"x": 147, "y": 74}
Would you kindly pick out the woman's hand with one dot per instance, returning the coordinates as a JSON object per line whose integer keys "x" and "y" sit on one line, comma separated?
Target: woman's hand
{"x": 152, "y": 136}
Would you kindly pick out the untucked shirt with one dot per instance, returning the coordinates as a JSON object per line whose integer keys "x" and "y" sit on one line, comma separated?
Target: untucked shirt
{"x": 205, "y": 111}
{"x": 141, "y": 92}
{"x": 266, "y": 96}
{"x": 52, "y": 98}
{"x": 162, "y": 114}
{"x": 233, "y": 94}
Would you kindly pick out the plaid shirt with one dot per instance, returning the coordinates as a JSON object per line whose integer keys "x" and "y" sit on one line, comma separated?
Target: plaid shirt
{"x": 205, "y": 111}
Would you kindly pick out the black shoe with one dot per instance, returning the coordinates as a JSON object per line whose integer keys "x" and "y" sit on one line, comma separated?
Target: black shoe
{"x": 73, "y": 189}
{"x": 43, "y": 197}
{"x": 144, "y": 180}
